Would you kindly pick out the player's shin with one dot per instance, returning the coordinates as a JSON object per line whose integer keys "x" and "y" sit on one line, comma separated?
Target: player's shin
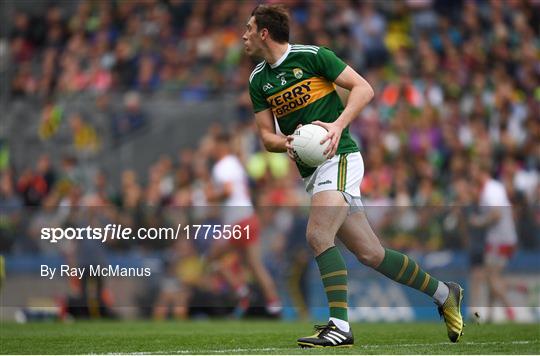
{"x": 334, "y": 277}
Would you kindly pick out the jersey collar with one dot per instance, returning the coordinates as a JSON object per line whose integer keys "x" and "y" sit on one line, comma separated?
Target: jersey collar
{"x": 279, "y": 61}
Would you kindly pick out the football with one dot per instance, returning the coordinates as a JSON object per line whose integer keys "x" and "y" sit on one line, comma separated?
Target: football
{"x": 307, "y": 148}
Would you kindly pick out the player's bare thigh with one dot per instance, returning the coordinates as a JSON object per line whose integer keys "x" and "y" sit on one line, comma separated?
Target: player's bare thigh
{"x": 328, "y": 212}
{"x": 359, "y": 238}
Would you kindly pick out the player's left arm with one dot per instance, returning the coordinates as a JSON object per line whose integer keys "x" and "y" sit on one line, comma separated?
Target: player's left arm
{"x": 487, "y": 219}
{"x": 360, "y": 94}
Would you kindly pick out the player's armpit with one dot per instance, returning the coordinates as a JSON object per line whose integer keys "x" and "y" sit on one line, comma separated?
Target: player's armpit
{"x": 349, "y": 78}
{"x": 267, "y": 131}
{"x": 343, "y": 94}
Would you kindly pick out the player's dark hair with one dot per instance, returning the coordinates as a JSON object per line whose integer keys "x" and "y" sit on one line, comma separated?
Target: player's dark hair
{"x": 275, "y": 19}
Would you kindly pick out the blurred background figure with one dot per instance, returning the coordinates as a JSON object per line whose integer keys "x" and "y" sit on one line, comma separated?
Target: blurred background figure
{"x": 467, "y": 207}
{"x": 230, "y": 189}
{"x": 501, "y": 237}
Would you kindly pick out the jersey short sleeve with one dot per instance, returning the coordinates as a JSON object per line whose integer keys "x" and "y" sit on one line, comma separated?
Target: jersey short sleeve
{"x": 328, "y": 64}
{"x": 257, "y": 99}
{"x": 494, "y": 195}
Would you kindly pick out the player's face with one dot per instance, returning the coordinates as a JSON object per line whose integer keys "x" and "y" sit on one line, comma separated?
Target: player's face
{"x": 219, "y": 150}
{"x": 252, "y": 40}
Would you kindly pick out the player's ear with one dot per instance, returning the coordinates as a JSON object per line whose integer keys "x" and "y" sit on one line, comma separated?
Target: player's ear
{"x": 263, "y": 33}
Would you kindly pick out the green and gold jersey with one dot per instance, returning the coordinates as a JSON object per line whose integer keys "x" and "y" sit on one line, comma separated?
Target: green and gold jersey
{"x": 299, "y": 89}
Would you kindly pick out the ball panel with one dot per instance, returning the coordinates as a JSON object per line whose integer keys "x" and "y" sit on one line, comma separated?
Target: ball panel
{"x": 306, "y": 145}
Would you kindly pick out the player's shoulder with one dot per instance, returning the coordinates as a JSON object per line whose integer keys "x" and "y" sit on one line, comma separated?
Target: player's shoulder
{"x": 495, "y": 192}
{"x": 494, "y": 186}
{"x": 258, "y": 69}
{"x": 305, "y": 49}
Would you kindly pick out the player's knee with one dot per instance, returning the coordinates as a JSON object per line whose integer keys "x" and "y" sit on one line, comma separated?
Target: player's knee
{"x": 318, "y": 241}
{"x": 367, "y": 259}
{"x": 371, "y": 257}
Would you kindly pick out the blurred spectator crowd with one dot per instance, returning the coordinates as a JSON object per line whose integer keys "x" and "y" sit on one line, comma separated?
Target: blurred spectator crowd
{"x": 455, "y": 82}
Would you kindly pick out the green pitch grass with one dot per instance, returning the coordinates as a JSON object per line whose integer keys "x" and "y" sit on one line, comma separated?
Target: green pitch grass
{"x": 257, "y": 337}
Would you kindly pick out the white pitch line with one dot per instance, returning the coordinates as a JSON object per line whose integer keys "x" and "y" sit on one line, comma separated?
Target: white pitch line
{"x": 203, "y": 351}
{"x": 247, "y": 350}
{"x": 519, "y": 342}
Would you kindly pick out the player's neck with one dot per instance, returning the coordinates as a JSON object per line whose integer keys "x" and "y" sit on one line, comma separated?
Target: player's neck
{"x": 485, "y": 179}
{"x": 275, "y": 51}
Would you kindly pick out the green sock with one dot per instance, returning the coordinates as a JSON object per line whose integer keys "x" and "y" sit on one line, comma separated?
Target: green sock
{"x": 334, "y": 277}
{"x": 405, "y": 270}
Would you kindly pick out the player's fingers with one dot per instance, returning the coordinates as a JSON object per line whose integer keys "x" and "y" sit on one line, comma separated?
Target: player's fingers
{"x": 289, "y": 141}
{"x": 336, "y": 144}
{"x": 328, "y": 149}
{"x": 329, "y": 136}
{"x": 332, "y": 153}
{"x": 332, "y": 148}
{"x": 320, "y": 123}
{"x": 290, "y": 154}
{"x": 332, "y": 137}
{"x": 329, "y": 153}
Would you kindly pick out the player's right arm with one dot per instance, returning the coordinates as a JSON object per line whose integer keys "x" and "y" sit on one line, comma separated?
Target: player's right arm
{"x": 272, "y": 141}
{"x": 486, "y": 220}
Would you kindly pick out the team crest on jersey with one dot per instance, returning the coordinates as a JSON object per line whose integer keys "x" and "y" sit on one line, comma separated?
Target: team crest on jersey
{"x": 297, "y": 73}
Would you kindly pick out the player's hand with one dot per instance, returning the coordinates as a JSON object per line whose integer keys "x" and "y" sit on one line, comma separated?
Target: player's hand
{"x": 288, "y": 144}
{"x": 334, "y": 134}
{"x": 476, "y": 220}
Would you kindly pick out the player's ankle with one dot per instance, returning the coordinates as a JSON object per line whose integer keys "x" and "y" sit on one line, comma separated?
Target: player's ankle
{"x": 341, "y": 324}
{"x": 441, "y": 294}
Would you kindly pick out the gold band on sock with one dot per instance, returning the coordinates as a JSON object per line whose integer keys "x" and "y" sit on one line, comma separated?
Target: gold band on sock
{"x": 413, "y": 277}
{"x": 425, "y": 283}
{"x": 333, "y": 288}
{"x": 336, "y": 273}
{"x": 403, "y": 267}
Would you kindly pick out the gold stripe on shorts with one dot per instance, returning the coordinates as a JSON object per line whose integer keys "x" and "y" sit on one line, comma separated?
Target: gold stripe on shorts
{"x": 342, "y": 172}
